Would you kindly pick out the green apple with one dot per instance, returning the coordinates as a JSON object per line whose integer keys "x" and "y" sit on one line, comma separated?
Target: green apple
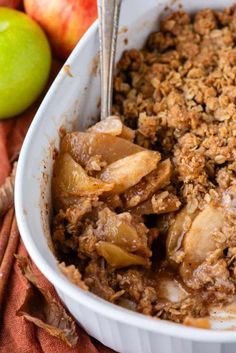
{"x": 25, "y": 61}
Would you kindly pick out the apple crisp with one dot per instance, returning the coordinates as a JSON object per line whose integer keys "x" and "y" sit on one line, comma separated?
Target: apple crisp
{"x": 145, "y": 201}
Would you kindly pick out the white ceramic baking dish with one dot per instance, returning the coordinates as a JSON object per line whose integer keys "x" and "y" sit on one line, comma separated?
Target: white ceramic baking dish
{"x": 72, "y": 102}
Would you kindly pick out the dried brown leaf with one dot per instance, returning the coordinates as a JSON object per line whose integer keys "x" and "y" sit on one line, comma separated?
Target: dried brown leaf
{"x": 41, "y": 308}
{"x": 7, "y": 192}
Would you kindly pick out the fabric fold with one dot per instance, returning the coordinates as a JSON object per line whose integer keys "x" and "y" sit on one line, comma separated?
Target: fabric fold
{"x": 17, "y": 334}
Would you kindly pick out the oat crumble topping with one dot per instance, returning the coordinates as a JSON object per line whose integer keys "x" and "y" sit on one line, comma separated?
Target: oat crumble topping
{"x": 148, "y": 196}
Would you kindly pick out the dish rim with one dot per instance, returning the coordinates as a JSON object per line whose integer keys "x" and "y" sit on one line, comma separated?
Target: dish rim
{"x": 88, "y": 299}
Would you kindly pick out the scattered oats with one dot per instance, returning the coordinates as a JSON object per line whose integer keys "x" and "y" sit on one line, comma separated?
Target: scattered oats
{"x": 207, "y": 198}
{"x": 219, "y": 237}
{"x": 192, "y": 206}
{"x": 163, "y": 195}
{"x": 178, "y": 256}
{"x": 222, "y": 114}
{"x": 213, "y": 194}
{"x": 219, "y": 159}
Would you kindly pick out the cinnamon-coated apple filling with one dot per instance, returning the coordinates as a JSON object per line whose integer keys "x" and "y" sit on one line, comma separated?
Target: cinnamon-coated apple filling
{"x": 145, "y": 201}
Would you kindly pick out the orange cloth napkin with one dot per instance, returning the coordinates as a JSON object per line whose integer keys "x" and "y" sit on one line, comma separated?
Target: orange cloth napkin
{"x": 16, "y": 334}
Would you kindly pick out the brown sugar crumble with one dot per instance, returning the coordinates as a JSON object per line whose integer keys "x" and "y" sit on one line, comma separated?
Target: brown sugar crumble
{"x": 145, "y": 201}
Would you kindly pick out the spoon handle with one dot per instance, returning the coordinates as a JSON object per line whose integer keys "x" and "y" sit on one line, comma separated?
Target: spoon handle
{"x": 108, "y": 15}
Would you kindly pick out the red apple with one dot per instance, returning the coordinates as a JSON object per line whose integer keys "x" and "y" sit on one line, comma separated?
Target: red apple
{"x": 64, "y": 21}
{"x": 10, "y": 3}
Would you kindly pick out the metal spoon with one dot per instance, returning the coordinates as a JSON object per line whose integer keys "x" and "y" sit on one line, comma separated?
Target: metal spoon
{"x": 108, "y": 15}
